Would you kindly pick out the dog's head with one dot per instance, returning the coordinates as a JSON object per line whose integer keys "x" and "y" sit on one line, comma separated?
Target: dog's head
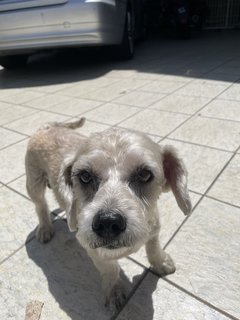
{"x": 111, "y": 186}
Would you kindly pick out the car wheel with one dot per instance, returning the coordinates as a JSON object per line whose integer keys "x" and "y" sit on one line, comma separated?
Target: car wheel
{"x": 126, "y": 50}
{"x": 13, "y": 62}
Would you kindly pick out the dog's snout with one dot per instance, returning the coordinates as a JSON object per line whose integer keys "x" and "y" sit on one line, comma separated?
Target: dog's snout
{"x": 108, "y": 224}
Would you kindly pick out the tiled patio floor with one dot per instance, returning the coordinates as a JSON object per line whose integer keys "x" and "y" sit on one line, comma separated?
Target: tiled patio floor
{"x": 184, "y": 93}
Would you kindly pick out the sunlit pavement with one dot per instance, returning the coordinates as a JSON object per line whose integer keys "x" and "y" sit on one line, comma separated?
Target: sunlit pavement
{"x": 181, "y": 92}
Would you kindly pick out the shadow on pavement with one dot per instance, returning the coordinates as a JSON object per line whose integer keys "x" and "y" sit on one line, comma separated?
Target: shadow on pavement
{"x": 198, "y": 57}
{"x": 72, "y": 278}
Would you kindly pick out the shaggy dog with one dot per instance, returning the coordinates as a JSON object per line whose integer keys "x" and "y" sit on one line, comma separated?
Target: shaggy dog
{"x": 108, "y": 184}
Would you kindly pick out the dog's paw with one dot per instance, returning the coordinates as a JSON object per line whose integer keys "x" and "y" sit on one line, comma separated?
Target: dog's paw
{"x": 165, "y": 267}
{"x": 117, "y": 297}
{"x": 44, "y": 233}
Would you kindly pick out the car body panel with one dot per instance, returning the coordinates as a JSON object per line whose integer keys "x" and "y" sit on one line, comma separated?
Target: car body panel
{"x": 69, "y": 23}
{"x": 8, "y": 5}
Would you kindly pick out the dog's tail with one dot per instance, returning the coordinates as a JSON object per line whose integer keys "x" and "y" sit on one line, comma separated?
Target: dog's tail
{"x": 69, "y": 125}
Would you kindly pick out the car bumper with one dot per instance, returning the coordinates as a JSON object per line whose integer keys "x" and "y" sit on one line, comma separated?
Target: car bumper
{"x": 75, "y": 23}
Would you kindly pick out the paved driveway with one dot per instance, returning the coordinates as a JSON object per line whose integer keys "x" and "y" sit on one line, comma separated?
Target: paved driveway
{"x": 184, "y": 93}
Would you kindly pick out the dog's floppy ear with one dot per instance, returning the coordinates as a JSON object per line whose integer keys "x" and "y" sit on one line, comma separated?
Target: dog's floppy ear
{"x": 66, "y": 190}
{"x": 176, "y": 178}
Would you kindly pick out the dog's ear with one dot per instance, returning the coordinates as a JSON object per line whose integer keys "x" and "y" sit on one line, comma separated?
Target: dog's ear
{"x": 66, "y": 190}
{"x": 176, "y": 178}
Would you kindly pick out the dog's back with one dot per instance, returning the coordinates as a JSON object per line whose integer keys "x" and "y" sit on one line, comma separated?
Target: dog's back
{"x": 52, "y": 141}
{"x": 46, "y": 151}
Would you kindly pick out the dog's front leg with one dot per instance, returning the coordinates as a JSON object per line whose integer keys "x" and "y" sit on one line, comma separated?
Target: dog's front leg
{"x": 158, "y": 258}
{"x": 113, "y": 287}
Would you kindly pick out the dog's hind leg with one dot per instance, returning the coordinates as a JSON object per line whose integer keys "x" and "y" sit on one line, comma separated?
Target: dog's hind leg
{"x": 36, "y": 186}
{"x": 161, "y": 261}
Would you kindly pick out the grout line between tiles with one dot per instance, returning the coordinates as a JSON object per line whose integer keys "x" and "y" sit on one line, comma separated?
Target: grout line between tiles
{"x": 132, "y": 292}
{"x": 15, "y": 131}
{"x": 148, "y": 107}
{"x": 222, "y": 201}
{"x": 208, "y": 304}
{"x": 181, "y": 289}
{"x": 6, "y": 183}
{"x": 12, "y": 144}
{"x": 14, "y": 190}
{"x": 199, "y": 145}
{"x": 141, "y": 108}
{"x": 21, "y": 117}
{"x": 17, "y": 250}
{"x": 190, "y": 116}
{"x": 194, "y": 115}
{"x": 55, "y": 212}
{"x": 64, "y": 114}
{"x": 201, "y": 198}
{"x": 29, "y": 240}
{"x": 220, "y": 119}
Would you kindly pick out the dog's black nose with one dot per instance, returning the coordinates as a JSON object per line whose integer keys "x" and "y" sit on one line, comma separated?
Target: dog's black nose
{"x": 108, "y": 224}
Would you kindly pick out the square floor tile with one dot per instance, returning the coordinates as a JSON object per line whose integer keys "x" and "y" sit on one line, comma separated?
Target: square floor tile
{"x": 12, "y": 161}
{"x": 162, "y": 86}
{"x": 30, "y": 124}
{"x": 87, "y": 86}
{"x": 233, "y": 93}
{"x": 201, "y": 90}
{"x": 210, "y": 132}
{"x": 10, "y": 112}
{"x": 171, "y": 218}
{"x": 18, "y": 219}
{"x": 115, "y": 90}
{"x": 156, "y": 299}
{"x": 182, "y": 104}
{"x": 23, "y": 97}
{"x": 61, "y": 276}
{"x": 20, "y": 186}
{"x": 227, "y": 187}
{"x": 206, "y": 252}
{"x": 77, "y": 89}
{"x": 52, "y": 88}
{"x": 47, "y": 101}
{"x": 111, "y": 113}
{"x": 74, "y": 107}
{"x": 139, "y": 99}
{"x": 8, "y": 137}
{"x": 200, "y": 162}
{"x": 154, "y": 122}
{"x": 227, "y": 110}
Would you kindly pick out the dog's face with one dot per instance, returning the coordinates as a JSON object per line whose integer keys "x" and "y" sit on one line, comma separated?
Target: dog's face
{"x": 116, "y": 179}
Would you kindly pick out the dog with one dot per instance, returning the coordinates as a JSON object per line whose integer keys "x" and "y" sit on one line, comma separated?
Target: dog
{"x": 108, "y": 184}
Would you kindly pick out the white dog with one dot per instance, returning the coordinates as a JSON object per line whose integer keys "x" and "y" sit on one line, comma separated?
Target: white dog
{"x": 109, "y": 184}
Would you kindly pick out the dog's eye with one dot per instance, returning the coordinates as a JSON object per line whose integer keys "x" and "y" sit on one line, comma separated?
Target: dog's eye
{"x": 145, "y": 175}
{"x": 85, "y": 177}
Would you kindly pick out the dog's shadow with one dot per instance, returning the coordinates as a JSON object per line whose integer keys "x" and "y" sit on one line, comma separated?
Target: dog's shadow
{"x": 72, "y": 278}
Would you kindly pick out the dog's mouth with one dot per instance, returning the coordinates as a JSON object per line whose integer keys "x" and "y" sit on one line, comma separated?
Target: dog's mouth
{"x": 112, "y": 246}
{"x": 109, "y": 245}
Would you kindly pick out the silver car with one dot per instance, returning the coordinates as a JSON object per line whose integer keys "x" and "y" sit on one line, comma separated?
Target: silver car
{"x": 27, "y": 26}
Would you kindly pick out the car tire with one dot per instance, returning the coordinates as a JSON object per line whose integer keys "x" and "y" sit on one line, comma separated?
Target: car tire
{"x": 13, "y": 62}
{"x": 126, "y": 49}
